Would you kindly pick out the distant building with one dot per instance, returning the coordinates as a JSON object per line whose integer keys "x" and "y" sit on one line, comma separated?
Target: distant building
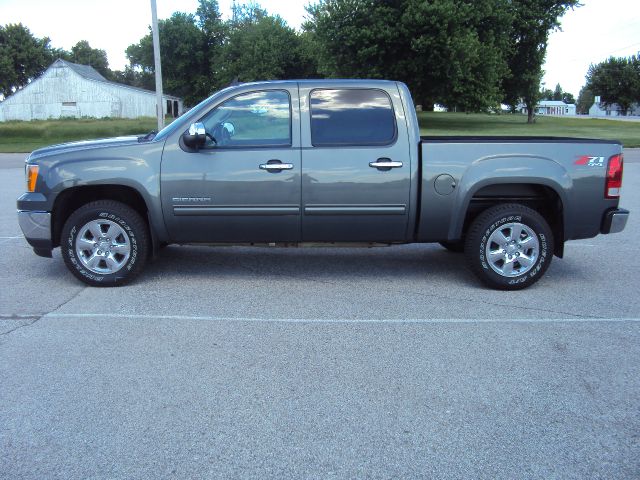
{"x": 552, "y": 107}
{"x": 67, "y": 89}
{"x": 599, "y": 109}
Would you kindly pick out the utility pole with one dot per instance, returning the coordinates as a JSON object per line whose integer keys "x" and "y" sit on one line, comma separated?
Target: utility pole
{"x": 158, "y": 67}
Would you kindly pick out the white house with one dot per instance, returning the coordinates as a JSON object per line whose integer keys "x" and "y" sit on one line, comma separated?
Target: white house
{"x": 555, "y": 107}
{"x": 599, "y": 109}
{"x": 67, "y": 89}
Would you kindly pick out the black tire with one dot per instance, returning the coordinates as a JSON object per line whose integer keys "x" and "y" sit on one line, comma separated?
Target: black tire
{"x": 131, "y": 224}
{"x": 454, "y": 247}
{"x": 499, "y": 218}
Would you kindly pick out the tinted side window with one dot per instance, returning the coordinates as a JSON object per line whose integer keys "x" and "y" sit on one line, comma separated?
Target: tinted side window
{"x": 254, "y": 119}
{"x": 351, "y": 117}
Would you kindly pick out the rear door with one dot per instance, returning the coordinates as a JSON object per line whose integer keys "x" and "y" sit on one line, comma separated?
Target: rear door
{"x": 355, "y": 162}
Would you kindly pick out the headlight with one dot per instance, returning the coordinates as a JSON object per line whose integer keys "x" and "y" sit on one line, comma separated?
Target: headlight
{"x": 31, "y": 173}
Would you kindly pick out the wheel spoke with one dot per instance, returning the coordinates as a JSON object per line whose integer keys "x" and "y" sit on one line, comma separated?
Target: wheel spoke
{"x": 507, "y": 268}
{"x": 516, "y": 232}
{"x": 496, "y": 255}
{"x": 85, "y": 244}
{"x": 94, "y": 228}
{"x": 525, "y": 261}
{"x": 527, "y": 241}
{"x": 113, "y": 231}
{"x": 121, "y": 248}
{"x": 93, "y": 261}
{"x": 501, "y": 237}
{"x": 112, "y": 263}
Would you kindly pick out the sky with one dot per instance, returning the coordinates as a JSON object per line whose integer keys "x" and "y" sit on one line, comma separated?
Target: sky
{"x": 590, "y": 33}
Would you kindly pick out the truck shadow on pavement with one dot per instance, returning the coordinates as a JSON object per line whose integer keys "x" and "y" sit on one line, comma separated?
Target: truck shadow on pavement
{"x": 417, "y": 262}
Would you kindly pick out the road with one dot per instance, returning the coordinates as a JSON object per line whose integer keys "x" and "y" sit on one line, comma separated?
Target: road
{"x": 320, "y": 363}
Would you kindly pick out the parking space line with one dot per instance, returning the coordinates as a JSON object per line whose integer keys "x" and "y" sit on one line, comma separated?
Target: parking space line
{"x": 337, "y": 320}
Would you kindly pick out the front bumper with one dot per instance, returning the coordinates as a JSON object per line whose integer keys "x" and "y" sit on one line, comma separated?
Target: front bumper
{"x": 36, "y": 227}
{"x": 614, "y": 220}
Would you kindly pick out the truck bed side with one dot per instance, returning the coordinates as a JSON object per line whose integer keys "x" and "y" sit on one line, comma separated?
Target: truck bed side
{"x": 564, "y": 177}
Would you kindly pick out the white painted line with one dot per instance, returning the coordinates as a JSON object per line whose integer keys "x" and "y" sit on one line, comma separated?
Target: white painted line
{"x": 334, "y": 320}
{"x": 569, "y": 244}
{"x": 7, "y": 238}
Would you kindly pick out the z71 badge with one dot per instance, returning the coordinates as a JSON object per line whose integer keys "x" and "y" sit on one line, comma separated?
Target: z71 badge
{"x": 590, "y": 161}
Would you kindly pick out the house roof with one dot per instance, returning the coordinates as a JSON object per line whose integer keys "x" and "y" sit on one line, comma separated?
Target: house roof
{"x": 553, "y": 103}
{"x": 90, "y": 73}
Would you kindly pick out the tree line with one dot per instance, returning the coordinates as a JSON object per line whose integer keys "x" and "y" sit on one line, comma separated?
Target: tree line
{"x": 616, "y": 81}
{"x": 473, "y": 56}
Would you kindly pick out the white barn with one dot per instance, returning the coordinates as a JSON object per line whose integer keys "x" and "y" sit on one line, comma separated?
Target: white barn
{"x": 67, "y": 89}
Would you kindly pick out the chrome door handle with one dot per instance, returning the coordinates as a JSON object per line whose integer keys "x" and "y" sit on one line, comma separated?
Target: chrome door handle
{"x": 388, "y": 164}
{"x": 276, "y": 167}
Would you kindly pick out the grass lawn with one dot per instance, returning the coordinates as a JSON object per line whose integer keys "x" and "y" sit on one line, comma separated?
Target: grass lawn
{"x": 27, "y": 136}
{"x": 432, "y": 123}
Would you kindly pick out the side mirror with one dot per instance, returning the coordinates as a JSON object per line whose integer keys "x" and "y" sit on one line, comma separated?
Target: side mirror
{"x": 196, "y": 136}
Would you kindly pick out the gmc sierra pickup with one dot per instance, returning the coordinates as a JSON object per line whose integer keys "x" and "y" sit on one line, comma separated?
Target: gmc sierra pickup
{"x": 337, "y": 162}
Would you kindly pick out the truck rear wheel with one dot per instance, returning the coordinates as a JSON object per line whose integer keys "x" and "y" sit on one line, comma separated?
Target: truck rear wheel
{"x": 105, "y": 243}
{"x": 509, "y": 247}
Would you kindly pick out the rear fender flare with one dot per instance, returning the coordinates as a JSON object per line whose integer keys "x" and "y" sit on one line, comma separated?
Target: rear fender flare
{"x": 524, "y": 169}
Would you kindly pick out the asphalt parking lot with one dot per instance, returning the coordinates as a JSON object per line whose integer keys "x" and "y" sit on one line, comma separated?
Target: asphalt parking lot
{"x": 320, "y": 363}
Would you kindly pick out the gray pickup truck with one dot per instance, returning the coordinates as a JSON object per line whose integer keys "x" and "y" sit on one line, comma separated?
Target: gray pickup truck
{"x": 321, "y": 162}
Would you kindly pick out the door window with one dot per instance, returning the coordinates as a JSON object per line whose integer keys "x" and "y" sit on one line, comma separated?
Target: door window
{"x": 351, "y": 116}
{"x": 254, "y": 119}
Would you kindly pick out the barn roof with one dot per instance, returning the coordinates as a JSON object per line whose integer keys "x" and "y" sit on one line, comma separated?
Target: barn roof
{"x": 90, "y": 73}
{"x": 86, "y": 71}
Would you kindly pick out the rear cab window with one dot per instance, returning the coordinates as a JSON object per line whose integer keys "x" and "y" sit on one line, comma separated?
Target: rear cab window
{"x": 352, "y": 116}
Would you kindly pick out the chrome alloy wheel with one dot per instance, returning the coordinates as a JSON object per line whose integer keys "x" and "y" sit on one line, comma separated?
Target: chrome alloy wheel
{"x": 512, "y": 249}
{"x": 103, "y": 246}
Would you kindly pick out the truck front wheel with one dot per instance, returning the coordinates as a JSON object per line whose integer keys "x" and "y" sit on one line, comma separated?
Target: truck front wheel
{"x": 509, "y": 247}
{"x": 105, "y": 243}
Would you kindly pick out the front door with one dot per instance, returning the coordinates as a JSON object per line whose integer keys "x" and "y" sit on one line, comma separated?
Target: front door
{"x": 244, "y": 185}
{"x": 355, "y": 163}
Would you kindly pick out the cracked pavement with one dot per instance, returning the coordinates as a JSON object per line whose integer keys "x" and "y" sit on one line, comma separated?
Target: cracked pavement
{"x": 307, "y": 363}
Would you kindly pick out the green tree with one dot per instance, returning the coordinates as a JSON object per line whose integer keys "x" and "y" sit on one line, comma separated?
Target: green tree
{"x": 215, "y": 31}
{"x": 263, "y": 47}
{"x": 546, "y": 94}
{"x": 184, "y": 55}
{"x": 557, "y": 94}
{"x": 83, "y": 54}
{"x": 22, "y": 57}
{"x": 135, "y": 78}
{"x": 448, "y": 51}
{"x": 616, "y": 80}
{"x": 246, "y": 13}
{"x": 532, "y": 20}
{"x": 585, "y": 100}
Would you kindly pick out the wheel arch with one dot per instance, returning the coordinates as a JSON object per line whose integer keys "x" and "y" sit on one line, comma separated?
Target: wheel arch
{"x": 543, "y": 195}
{"x": 72, "y": 198}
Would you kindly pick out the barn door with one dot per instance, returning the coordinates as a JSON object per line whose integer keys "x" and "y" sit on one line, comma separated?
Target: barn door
{"x": 69, "y": 109}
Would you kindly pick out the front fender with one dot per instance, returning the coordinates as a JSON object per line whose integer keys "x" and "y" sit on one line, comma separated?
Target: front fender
{"x": 134, "y": 166}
